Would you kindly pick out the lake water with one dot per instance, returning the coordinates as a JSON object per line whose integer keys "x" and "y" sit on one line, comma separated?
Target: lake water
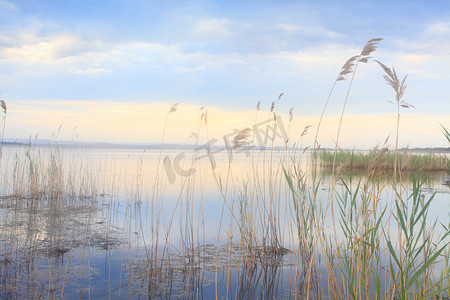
{"x": 133, "y": 223}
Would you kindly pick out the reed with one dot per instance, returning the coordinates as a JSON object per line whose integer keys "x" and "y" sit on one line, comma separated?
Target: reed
{"x": 279, "y": 235}
{"x": 3, "y": 124}
{"x": 305, "y": 221}
{"x": 363, "y": 160}
{"x": 446, "y": 159}
{"x": 411, "y": 273}
{"x": 46, "y": 190}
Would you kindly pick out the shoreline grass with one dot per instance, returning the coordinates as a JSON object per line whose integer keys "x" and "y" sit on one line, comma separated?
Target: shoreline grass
{"x": 385, "y": 159}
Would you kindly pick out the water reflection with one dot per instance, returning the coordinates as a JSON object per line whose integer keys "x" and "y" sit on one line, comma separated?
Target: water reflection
{"x": 136, "y": 234}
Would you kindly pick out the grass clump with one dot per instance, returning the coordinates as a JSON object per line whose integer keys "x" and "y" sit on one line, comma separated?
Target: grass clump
{"x": 411, "y": 265}
{"x": 48, "y": 173}
{"x": 385, "y": 159}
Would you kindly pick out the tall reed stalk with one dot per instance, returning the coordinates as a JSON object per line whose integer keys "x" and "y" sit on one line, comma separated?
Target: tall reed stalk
{"x": 399, "y": 87}
{"x": 350, "y": 67}
{"x": 4, "y": 109}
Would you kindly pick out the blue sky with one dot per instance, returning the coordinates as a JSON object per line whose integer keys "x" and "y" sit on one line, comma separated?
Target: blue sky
{"x": 227, "y": 55}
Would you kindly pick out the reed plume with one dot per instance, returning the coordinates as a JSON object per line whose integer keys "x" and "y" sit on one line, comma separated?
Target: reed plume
{"x": 241, "y": 138}
{"x": 399, "y": 87}
{"x": 349, "y": 67}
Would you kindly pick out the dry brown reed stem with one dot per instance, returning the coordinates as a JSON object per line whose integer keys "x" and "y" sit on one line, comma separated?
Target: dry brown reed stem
{"x": 185, "y": 183}
{"x": 399, "y": 87}
{"x": 224, "y": 196}
{"x": 349, "y": 67}
{"x": 346, "y": 69}
{"x": 155, "y": 194}
{"x": 256, "y": 187}
{"x": 172, "y": 109}
{"x": 4, "y": 109}
{"x": 67, "y": 269}
{"x": 204, "y": 118}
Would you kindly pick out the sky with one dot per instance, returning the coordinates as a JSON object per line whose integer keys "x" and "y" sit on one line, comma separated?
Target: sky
{"x": 109, "y": 71}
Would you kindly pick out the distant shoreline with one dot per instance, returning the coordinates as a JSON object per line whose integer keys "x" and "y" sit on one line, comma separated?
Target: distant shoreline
{"x": 171, "y": 146}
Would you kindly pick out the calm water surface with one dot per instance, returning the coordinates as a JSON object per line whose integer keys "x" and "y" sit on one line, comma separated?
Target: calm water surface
{"x": 127, "y": 215}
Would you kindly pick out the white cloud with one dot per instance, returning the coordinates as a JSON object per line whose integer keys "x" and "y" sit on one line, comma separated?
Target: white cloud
{"x": 440, "y": 29}
{"x": 303, "y": 30}
{"x": 7, "y": 5}
{"x": 89, "y": 71}
{"x": 288, "y": 27}
{"x": 212, "y": 28}
{"x": 80, "y": 56}
{"x": 75, "y": 55}
{"x": 424, "y": 56}
{"x": 434, "y": 39}
{"x": 425, "y": 65}
{"x": 421, "y": 64}
{"x": 47, "y": 49}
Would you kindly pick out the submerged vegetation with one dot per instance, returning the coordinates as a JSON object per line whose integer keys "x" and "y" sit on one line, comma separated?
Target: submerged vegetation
{"x": 274, "y": 226}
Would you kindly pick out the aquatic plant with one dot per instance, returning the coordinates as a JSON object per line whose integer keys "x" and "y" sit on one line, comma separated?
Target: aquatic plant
{"x": 281, "y": 240}
{"x": 445, "y": 158}
{"x": 3, "y": 124}
{"x": 362, "y": 160}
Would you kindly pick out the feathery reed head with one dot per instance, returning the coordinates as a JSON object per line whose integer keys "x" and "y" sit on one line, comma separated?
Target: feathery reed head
{"x": 3, "y": 105}
{"x": 173, "y": 108}
{"x": 241, "y": 138}
{"x": 347, "y": 68}
{"x": 398, "y": 86}
{"x": 258, "y": 105}
{"x": 369, "y": 47}
{"x": 363, "y": 57}
{"x": 305, "y": 130}
{"x": 279, "y": 97}
{"x": 376, "y": 163}
{"x": 291, "y": 114}
{"x": 342, "y": 168}
{"x": 272, "y": 106}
